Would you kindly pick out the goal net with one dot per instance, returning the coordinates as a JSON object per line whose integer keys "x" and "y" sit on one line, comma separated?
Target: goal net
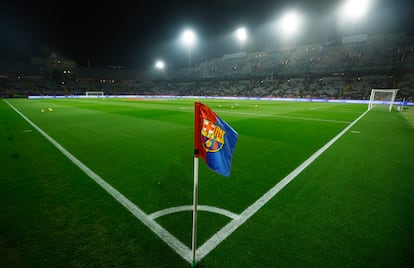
{"x": 382, "y": 98}
{"x": 94, "y": 94}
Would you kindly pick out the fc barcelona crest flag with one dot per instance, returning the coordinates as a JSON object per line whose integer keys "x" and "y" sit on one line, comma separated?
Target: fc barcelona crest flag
{"x": 214, "y": 139}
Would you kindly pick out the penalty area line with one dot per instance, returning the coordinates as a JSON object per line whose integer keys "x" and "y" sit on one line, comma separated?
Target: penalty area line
{"x": 227, "y": 230}
{"x": 162, "y": 233}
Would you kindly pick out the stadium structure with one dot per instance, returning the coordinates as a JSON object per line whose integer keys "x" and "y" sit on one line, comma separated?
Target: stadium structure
{"x": 89, "y": 180}
{"x": 341, "y": 69}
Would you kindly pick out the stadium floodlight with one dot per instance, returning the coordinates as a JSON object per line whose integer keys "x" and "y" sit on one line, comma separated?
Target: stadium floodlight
{"x": 355, "y": 8}
{"x": 188, "y": 39}
{"x": 289, "y": 23}
{"x": 352, "y": 10}
{"x": 241, "y": 36}
{"x": 159, "y": 65}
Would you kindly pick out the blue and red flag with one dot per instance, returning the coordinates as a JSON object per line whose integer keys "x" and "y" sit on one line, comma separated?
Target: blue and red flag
{"x": 214, "y": 139}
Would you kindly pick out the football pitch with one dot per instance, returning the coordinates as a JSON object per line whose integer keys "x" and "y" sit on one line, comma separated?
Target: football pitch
{"x": 109, "y": 183}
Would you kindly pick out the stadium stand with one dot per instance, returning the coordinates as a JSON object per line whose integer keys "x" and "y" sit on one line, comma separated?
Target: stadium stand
{"x": 346, "y": 69}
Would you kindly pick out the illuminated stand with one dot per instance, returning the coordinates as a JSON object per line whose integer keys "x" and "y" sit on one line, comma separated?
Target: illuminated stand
{"x": 382, "y": 96}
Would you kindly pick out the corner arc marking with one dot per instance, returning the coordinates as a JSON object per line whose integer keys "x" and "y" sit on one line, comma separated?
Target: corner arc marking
{"x": 211, "y": 209}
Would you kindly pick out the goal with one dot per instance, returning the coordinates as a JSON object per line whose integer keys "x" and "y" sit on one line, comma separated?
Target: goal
{"x": 94, "y": 94}
{"x": 383, "y": 97}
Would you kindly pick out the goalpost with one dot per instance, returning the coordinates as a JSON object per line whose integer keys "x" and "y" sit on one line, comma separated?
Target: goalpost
{"x": 94, "y": 94}
{"x": 382, "y": 97}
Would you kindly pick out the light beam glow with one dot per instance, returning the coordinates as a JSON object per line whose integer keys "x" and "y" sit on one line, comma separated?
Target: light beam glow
{"x": 355, "y": 8}
{"x": 188, "y": 37}
{"x": 241, "y": 34}
{"x": 159, "y": 64}
{"x": 290, "y": 23}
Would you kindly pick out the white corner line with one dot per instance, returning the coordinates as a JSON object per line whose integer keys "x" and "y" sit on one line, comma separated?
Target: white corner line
{"x": 162, "y": 233}
{"x": 227, "y": 230}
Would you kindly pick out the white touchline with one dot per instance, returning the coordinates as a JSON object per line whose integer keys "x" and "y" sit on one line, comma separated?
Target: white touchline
{"x": 221, "y": 235}
{"x": 166, "y": 236}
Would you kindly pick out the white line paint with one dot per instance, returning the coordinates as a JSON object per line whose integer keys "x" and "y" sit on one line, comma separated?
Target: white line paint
{"x": 211, "y": 209}
{"x": 321, "y": 107}
{"x": 288, "y": 117}
{"x": 227, "y": 230}
{"x": 223, "y": 233}
{"x": 166, "y": 236}
{"x": 277, "y": 116}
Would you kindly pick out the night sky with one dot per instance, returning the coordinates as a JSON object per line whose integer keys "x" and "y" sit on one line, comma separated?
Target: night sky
{"x": 135, "y": 33}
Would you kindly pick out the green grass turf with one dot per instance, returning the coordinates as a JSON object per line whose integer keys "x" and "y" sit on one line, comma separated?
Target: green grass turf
{"x": 408, "y": 114}
{"x": 350, "y": 207}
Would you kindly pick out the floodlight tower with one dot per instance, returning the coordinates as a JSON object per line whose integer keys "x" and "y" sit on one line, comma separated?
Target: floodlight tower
{"x": 241, "y": 36}
{"x": 289, "y": 26}
{"x": 159, "y": 65}
{"x": 354, "y": 10}
{"x": 289, "y": 23}
{"x": 188, "y": 39}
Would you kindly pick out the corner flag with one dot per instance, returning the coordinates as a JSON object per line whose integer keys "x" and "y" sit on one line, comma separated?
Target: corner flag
{"x": 214, "y": 139}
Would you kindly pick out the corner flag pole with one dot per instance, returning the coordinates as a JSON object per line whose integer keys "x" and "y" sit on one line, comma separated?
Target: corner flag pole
{"x": 195, "y": 201}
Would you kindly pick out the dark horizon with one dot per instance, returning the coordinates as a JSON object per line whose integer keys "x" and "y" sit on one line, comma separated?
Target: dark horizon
{"x": 136, "y": 33}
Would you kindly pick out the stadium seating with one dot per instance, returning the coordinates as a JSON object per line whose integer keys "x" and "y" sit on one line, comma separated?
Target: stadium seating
{"x": 331, "y": 70}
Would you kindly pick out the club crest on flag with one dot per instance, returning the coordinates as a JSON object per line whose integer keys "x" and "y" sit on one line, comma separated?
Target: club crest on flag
{"x": 212, "y": 136}
{"x": 214, "y": 139}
